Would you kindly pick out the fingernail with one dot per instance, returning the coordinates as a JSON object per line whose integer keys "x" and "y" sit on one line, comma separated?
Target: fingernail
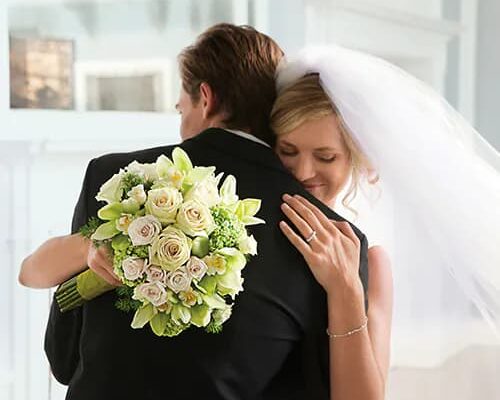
{"x": 287, "y": 196}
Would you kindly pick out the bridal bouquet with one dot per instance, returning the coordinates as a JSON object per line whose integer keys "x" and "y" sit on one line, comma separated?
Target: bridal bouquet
{"x": 179, "y": 244}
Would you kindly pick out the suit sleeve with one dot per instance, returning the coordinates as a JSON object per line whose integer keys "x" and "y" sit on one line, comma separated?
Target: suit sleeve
{"x": 62, "y": 336}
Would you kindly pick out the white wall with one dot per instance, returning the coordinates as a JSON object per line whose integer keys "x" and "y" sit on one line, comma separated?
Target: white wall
{"x": 488, "y": 71}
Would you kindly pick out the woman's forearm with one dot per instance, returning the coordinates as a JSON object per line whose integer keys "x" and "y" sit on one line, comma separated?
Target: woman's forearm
{"x": 354, "y": 372}
{"x": 55, "y": 261}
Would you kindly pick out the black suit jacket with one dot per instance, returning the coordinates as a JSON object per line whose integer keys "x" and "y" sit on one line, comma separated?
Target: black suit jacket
{"x": 273, "y": 347}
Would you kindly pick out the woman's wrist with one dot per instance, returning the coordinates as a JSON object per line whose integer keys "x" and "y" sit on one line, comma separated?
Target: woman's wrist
{"x": 84, "y": 249}
{"x": 346, "y": 308}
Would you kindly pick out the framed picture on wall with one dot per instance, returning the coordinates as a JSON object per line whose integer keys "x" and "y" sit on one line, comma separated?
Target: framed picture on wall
{"x": 41, "y": 73}
{"x": 133, "y": 85}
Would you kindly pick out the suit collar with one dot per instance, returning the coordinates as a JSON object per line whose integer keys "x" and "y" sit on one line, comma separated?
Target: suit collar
{"x": 239, "y": 146}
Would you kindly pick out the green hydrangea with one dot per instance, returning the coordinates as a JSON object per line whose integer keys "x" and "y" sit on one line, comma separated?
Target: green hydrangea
{"x": 228, "y": 229}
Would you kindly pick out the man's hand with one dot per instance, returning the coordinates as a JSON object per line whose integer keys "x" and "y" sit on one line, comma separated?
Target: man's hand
{"x": 100, "y": 261}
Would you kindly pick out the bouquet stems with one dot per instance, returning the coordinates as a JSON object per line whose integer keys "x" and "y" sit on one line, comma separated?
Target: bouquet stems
{"x": 81, "y": 288}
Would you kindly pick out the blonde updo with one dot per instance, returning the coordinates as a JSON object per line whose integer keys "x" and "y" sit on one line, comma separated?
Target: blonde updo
{"x": 305, "y": 100}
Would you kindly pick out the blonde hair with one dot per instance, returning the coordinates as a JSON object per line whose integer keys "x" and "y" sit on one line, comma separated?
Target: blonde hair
{"x": 305, "y": 100}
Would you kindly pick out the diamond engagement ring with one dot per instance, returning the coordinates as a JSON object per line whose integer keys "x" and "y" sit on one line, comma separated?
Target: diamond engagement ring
{"x": 311, "y": 236}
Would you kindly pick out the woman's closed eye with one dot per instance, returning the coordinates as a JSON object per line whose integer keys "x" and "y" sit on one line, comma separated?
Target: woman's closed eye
{"x": 319, "y": 157}
{"x": 327, "y": 159}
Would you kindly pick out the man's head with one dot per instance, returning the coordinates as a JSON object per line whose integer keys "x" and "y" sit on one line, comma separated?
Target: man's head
{"x": 228, "y": 81}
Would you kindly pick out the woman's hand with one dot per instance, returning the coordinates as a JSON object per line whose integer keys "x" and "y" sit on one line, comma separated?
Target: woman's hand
{"x": 332, "y": 251}
{"x": 100, "y": 260}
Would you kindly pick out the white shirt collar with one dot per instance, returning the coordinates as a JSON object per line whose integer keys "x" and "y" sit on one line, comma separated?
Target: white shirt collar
{"x": 247, "y": 136}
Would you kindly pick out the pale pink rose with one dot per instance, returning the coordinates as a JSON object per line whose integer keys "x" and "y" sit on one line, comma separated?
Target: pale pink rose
{"x": 133, "y": 267}
{"x": 143, "y": 230}
{"x": 153, "y": 292}
{"x": 196, "y": 268}
{"x": 155, "y": 273}
{"x": 178, "y": 280}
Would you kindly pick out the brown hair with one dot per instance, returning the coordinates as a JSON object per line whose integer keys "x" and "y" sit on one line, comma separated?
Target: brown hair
{"x": 239, "y": 64}
{"x": 305, "y": 100}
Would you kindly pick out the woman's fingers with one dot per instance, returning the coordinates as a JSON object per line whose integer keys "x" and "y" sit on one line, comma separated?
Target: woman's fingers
{"x": 342, "y": 226}
{"x": 99, "y": 260}
{"x": 322, "y": 218}
{"x": 296, "y": 240}
{"x": 302, "y": 217}
{"x": 346, "y": 229}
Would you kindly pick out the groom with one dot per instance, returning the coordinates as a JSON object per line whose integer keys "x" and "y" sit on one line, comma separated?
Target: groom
{"x": 274, "y": 346}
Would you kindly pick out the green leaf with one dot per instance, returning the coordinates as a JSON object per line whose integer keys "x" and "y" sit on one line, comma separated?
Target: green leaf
{"x": 181, "y": 160}
{"x": 143, "y": 315}
{"x": 110, "y": 212}
{"x": 105, "y": 231}
{"x": 200, "y": 315}
{"x": 158, "y": 323}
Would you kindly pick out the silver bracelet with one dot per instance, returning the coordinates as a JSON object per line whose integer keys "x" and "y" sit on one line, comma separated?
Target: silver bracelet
{"x": 358, "y": 329}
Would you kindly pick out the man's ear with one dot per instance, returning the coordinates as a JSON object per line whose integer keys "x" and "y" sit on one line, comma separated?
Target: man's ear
{"x": 208, "y": 100}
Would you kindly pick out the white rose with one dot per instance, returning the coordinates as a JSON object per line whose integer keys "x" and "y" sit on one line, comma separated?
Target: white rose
{"x": 133, "y": 268}
{"x": 195, "y": 219}
{"x": 144, "y": 230}
{"x": 205, "y": 192}
{"x": 155, "y": 273}
{"x": 138, "y": 194}
{"x": 163, "y": 203}
{"x": 248, "y": 245}
{"x": 153, "y": 292}
{"x": 178, "y": 280}
{"x": 170, "y": 249}
{"x": 196, "y": 268}
{"x": 111, "y": 191}
{"x": 144, "y": 170}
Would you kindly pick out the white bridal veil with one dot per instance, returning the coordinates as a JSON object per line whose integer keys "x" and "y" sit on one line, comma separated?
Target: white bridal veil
{"x": 439, "y": 208}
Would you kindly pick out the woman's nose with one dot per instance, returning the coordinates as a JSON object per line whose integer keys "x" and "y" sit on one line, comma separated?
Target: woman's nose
{"x": 304, "y": 169}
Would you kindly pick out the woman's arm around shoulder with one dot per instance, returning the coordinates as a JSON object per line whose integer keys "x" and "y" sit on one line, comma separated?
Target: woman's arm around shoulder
{"x": 54, "y": 261}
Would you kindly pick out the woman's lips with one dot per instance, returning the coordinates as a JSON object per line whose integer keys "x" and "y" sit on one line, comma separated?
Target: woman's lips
{"x": 311, "y": 187}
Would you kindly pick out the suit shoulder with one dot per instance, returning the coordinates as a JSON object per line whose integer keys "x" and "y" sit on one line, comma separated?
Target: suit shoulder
{"x": 115, "y": 161}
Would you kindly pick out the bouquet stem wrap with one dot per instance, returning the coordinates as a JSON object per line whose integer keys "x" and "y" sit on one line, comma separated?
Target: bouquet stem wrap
{"x": 81, "y": 288}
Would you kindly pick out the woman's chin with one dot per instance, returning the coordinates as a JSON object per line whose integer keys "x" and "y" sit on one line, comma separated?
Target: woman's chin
{"x": 316, "y": 192}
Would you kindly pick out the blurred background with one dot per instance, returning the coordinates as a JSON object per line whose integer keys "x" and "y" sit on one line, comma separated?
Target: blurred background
{"x": 86, "y": 77}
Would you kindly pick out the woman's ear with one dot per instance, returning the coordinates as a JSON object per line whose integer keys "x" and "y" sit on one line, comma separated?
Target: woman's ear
{"x": 208, "y": 100}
